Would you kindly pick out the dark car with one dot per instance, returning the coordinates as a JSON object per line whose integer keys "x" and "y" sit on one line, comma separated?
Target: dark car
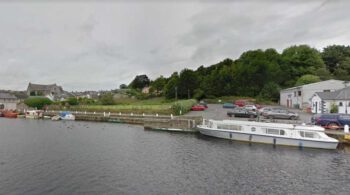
{"x": 241, "y": 112}
{"x": 332, "y": 121}
{"x": 228, "y": 105}
{"x": 280, "y": 114}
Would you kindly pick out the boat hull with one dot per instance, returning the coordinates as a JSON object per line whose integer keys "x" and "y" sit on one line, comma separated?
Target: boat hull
{"x": 240, "y": 136}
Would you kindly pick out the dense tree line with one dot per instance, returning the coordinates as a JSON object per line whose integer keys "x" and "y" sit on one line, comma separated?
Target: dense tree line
{"x": 256, "y": 73}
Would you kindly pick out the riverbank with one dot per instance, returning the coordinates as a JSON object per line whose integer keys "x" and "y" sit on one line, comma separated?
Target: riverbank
{"x": 159, "y": 122}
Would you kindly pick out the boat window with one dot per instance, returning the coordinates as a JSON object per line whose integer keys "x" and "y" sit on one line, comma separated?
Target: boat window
{"x": 2, "y": 106}
{"x": 229, "y": 127}
{"x": 309, "y": 134}
{"x": 253, "y": 129}
{"x": 272, "y": 131}
{"x": 282, "y": 132}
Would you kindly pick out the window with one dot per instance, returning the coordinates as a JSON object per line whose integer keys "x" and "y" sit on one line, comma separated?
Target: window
{"x": 295, "y": 94}
{"x": 282, "y": 132}
{"x": 253, "y": 129}
{"x": 309, "y": 134}
{"x": 272, "y": 131}
{"x": 326, "y": 90}
{"x": 299, "y": 93}
{"x": 2, "y": 106}
{"x": 340, "y": 103}
{"x": 229, "y": 127}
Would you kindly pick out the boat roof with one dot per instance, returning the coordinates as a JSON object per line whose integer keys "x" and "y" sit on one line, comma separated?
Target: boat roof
{"x": 273, "y": 125}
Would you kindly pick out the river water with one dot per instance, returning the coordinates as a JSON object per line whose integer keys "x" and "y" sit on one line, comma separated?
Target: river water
{"x": 46, "y": 157}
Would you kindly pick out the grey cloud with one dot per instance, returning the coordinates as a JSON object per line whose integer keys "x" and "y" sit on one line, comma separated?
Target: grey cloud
{"x": 97, "y": 45}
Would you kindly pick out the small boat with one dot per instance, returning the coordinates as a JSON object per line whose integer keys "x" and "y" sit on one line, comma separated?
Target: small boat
{"x": 34, "y": 114}
{"x": 10, "y": 114}
{"x": 269, "y": 133}
{"x": 56, "y": 118}
{"x": 67, "y": 116}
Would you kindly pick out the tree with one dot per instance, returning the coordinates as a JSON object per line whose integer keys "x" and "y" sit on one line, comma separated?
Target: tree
{"x": 37, "y": 102}
{"x": 333, "y": 55}
{"x": 170, "y": 89}
{"x": 298, "y": 61}
{"x": 188, "y": 82}
{"x": 158, "y": 84}
{"x": 123, "y": 86}
{"x": 307, "y": 79}
{"x": 107, "y": 99}
{"x": 140, "y": 82}
{"x": 342, "y": 72}
{"x": 270, "y": 91}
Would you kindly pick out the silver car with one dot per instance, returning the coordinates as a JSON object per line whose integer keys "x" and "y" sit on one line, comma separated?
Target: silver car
{"x": 280, "y": 114}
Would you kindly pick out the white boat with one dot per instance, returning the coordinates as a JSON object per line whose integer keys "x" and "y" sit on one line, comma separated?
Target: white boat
{"x": 34, "y": 114}
{"x": 67, "y": 116}
{"x": 56, "y": 118}
{"x": 270, "y": 133}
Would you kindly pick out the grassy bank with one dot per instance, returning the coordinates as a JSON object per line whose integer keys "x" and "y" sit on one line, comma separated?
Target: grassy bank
{"x": 150, "y": 106}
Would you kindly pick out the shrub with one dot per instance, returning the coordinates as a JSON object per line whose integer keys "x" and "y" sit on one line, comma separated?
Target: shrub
{"x": 334, "y": 108}
{"x": 37, "y": 102}
{"x": 183, "y": 106}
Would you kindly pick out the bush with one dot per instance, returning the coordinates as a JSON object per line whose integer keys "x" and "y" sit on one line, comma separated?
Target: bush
{"x": 183, "y": 106}
{"x": 72, "y": 101}
{"x": 107, "y": 99}
{"x": 37, "y": 102}
{"x": 334, "y": 108}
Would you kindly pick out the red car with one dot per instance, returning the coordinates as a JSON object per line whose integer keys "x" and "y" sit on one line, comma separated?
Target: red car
{"x": 198, "y": 108}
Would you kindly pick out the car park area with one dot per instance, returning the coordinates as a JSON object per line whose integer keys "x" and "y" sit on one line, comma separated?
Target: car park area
{"x": 216, "y": 111}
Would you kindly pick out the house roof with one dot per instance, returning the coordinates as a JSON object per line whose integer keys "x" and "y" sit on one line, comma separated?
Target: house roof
{"x": 7, "y": 96}
{"x": 341, "y": 94}
{"x": 39, "y": 87}
{"x": 297, "y": 87}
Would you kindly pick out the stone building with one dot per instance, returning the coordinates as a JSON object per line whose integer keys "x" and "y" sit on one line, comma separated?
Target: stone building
{"x": 50, "y": 91}
{"x": 8, "y": 101}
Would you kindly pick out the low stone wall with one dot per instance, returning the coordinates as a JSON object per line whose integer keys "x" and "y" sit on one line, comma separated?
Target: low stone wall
{"x": 169, "y": 122}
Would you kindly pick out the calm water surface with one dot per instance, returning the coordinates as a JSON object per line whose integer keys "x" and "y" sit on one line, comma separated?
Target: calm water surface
{"x": 45, "y": 157}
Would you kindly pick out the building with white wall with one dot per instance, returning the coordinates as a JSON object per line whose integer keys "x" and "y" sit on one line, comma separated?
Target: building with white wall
{"x": 8, "y": 101}
{"x": 322, "y": 102}
{"x": 300, "y": 97}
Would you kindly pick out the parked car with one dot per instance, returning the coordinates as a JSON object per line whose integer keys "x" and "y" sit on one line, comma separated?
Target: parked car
{"x": 228, "y": 105}
{"x": 198, "y": 108}
{"x": 240, "y": 103}
{"x": 203, "y": 104}
{"x": 332, "y": 121}
{"x": 281, "y": 114}
{"x": 264, "y": 110}
{"x": 250, "y": 107}
{"x": 241, "y": 112}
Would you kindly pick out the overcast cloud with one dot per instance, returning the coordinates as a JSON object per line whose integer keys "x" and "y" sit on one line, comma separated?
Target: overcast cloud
{"x": 92, "y": 46}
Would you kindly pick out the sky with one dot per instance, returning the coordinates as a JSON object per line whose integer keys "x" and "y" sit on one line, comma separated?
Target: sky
{"x": 95, "y": 45}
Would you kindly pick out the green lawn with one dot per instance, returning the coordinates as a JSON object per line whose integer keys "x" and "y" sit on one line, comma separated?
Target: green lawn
{"x": 150, "y": 106}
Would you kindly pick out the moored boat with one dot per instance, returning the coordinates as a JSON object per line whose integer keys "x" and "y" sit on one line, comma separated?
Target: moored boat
{"x": 269, "y": 133}
{"x": 10, "y": 114}
{"x": 34, "y": 114}
{"x": 67, "y": 116}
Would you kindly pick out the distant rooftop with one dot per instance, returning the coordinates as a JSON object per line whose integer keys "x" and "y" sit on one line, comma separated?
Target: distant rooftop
{"x": 7, "y": 96}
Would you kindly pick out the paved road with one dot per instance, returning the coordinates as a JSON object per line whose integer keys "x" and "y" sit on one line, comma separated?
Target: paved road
{"x": 215, "y": 111}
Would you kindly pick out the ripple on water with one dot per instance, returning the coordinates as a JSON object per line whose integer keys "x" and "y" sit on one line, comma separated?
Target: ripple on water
{"x": 44, "y": 157}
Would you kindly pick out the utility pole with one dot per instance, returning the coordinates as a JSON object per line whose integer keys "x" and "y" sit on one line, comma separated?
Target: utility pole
{"x": 188, "y": 93}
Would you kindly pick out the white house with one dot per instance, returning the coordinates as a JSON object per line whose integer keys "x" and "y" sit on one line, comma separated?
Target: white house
{"x": 300, "y": 97}
{"x": 8, "y": 101}
{"x": 322, "y": 102}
